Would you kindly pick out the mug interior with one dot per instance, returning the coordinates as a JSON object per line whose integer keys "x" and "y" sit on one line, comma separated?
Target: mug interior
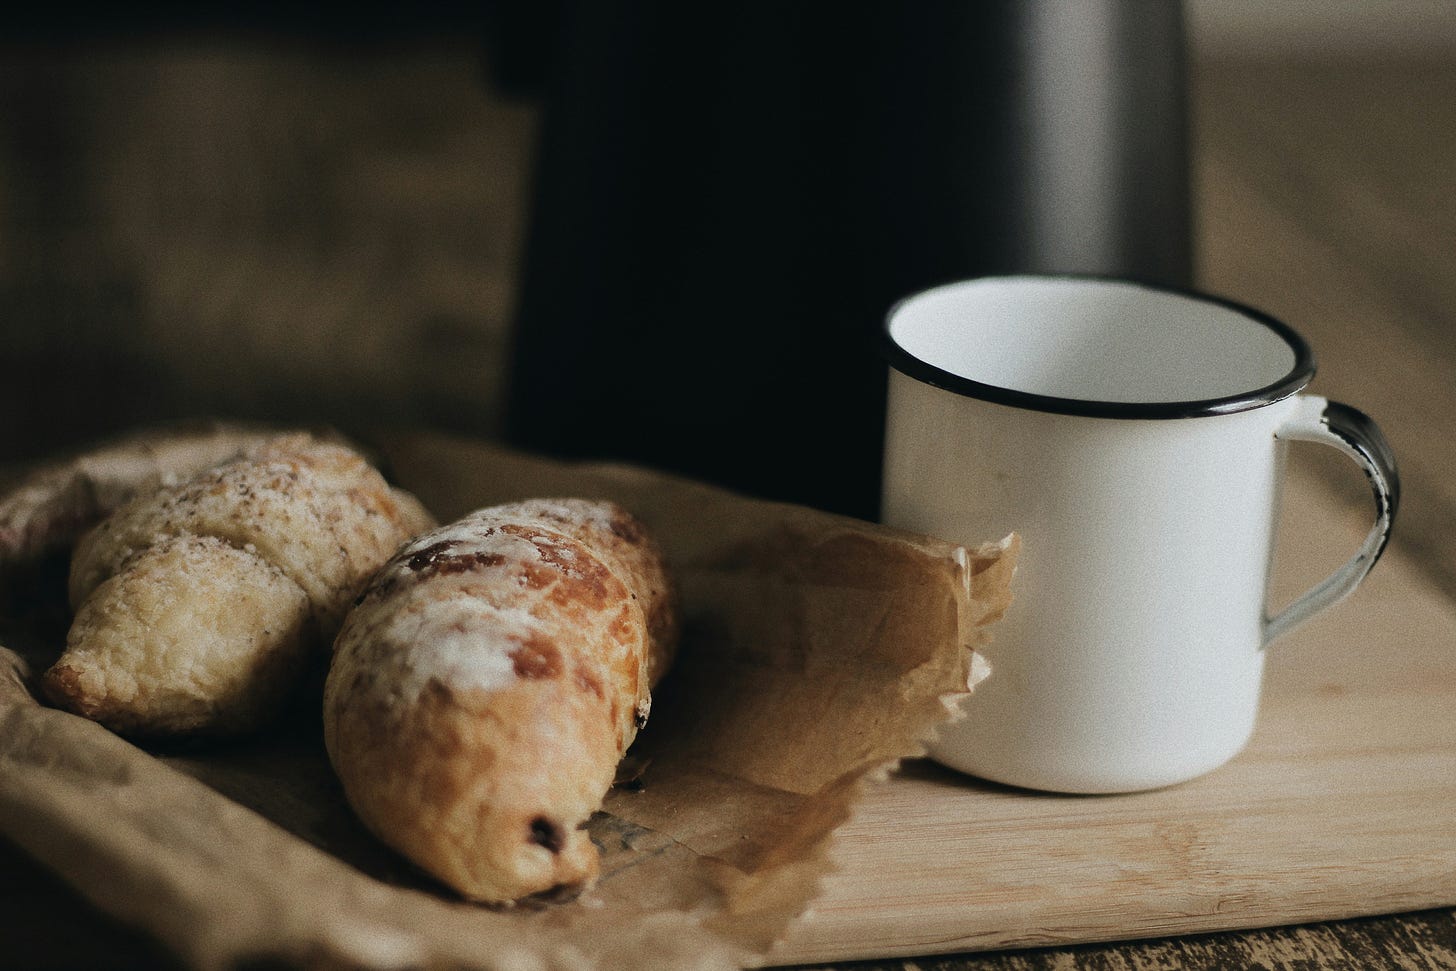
{"x": 1096, "y": 345}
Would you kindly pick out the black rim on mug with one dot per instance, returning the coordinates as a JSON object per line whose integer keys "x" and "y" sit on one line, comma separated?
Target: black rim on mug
{"x": 1298, "y": 376}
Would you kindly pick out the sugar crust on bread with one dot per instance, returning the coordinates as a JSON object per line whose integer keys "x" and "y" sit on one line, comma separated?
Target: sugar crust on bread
{"x": 197, "y": 603}
{"x": 488, "y": 682}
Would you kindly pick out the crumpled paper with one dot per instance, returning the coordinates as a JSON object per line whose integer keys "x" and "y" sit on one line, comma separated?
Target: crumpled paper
{"x": 817, "y": 652}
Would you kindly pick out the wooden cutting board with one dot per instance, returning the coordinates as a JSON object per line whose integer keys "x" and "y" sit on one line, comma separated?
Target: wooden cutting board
{"x": 1344, "y": 803}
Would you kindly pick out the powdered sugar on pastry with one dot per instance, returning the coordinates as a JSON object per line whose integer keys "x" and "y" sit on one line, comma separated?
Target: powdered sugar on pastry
{"x": 198, "y": 603}
{"x": 487, "y": 683}
{"x": 459, "y": 642}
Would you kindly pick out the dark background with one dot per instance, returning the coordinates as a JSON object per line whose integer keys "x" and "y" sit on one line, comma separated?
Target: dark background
{"x": 649, "y": 231}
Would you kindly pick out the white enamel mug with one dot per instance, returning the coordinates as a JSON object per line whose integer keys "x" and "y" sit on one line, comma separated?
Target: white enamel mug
{"x": 1134, "y": 437}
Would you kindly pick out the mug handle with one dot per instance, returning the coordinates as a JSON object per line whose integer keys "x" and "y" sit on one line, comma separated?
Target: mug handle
{"x": 1354, "y": 433}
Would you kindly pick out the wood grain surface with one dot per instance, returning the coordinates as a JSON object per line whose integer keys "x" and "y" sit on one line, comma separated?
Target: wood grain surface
{"x": 275, "y": 232}
{"x": 1340, "y": 806}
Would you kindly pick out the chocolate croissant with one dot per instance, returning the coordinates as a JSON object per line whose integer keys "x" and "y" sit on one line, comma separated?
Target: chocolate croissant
{"x": 488, "y": 682}
{"x": 198, "y": 604}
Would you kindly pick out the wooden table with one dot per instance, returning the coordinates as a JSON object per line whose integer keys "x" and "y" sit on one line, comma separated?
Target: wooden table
{"x": 1324, "y": 197}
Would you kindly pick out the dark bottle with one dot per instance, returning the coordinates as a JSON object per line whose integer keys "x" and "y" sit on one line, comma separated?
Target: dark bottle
{"x": 729, "y": 197}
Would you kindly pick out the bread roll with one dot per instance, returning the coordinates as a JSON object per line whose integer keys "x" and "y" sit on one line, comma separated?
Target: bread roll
{"x": 197, "y": 604}
{"x": 56, "y": 504}
{"x": 487, "y": 684}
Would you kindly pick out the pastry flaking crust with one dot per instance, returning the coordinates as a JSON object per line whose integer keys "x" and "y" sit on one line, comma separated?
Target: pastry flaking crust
{"x": 488, "y": 682}
{"x": 316, "y": 510}
{"x": 198, "y": 603}
{"x": 151, "y": 652}
{"x": 57, "y": 503}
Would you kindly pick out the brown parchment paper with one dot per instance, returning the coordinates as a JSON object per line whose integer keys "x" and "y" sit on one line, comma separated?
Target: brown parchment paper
{"x": 818, "y": 651}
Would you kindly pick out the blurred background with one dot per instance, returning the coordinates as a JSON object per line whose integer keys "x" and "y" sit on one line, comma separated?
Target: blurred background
{"x": 669, "y": 240}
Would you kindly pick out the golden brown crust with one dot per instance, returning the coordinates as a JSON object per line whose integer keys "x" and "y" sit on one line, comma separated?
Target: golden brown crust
{"x": 57, "y": 503}
{"x": 487, "y": 684}
{"x": 197, "y": 603}
{"x": 192, "y": 635}
{"x": 316, "y": 510}
{"x": 622, "y": 540}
